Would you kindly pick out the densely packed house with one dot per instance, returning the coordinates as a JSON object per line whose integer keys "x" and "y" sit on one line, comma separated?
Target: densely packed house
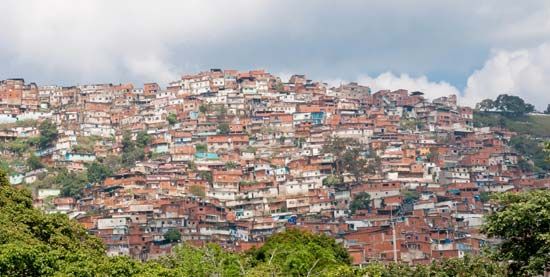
{"x": 233, "y": 157}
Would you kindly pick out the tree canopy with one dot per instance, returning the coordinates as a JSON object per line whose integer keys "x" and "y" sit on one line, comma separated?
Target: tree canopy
{"x": 223, "y": 128}
{"x": 36, "y": 244}
{"x": 346, "y": 154}
{"x": 201, "y": 148}
{"x": 33, "y": 162}
{"x": 98, "y": 172}
{"x": 48, "y": 134}
{"x": 172, "y": 119}
{"x": 522, "y": 221}
{"x": 299, "y": 253}
{"x": 172, "y": 235}
{"x": 231, "y": 165}
{"x": 532, "y": 149}
{"x": 505, "y": 103}
{"x": 361, "y": 201}
{"x": 133, "y": 151}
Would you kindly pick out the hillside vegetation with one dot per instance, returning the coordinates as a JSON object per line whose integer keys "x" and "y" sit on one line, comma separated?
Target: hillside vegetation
{"x": 534, "y": 125}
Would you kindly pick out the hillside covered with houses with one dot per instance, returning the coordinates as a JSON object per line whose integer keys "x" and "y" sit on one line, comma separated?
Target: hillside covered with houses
{"x": 234, "y": 157}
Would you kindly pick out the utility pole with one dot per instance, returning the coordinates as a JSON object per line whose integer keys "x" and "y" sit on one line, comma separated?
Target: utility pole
{"x": 393, "y": 236}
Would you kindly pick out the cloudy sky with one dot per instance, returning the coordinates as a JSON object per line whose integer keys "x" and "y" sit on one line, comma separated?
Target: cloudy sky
{"x": 476, "y": 49}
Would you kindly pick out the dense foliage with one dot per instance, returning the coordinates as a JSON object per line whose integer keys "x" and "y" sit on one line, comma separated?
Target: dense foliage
{"x": 35, "y": 244}
{"x": 70, "y": 183}
{"x": 532, "y": 149}
{"x": 348, "y": 157}
{"x": 361, "y": 201}
{"x": 201, "y": 148}
{"x": 223, "y": 128}
{"x": 512, "y": 113}
{"x": 133, "y": 151}
{"x": 467, "y": 266}
{"x": 523, "y": 222}
{"x": 172, "y": 118}
{"x": 509, "y": 104}
{"x": 48, "y": 134}
{"x": 33, "y": 162}
{"x": 172, "y": 235}
{"x": 98, "y": 172}
{"x": 297, "y": 253}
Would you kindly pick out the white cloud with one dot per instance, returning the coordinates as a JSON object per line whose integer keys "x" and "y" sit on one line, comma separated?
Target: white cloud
{"x": 151, "y": 69}
{"x": 136, "y": 41}
{"x": 535, "y": 26}
{"x": 522, "y": 72}
{"x": 390, "y": 81}
{"x": 101, "y": 40}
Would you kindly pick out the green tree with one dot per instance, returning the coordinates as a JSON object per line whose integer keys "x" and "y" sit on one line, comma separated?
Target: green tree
{"x": 525, "y": 166}
{"x": 522, "y": 220}
{"x": 484, "y": 196}
{"x": 411, "y": 124}
{"x": 485, "y": 105}
{"x": 204, "y": 108}
{"x": 197, "y": 190}
{"x": 18, "y": 146}
{"x": 231, "y": 165}
{"x": 5, "y": 167}
{"x": 533, "y": 149}
{"x": 201, "y": 148}
{"x": 142, "y": 139}
{"x": 354, "y": 163}
{"x": 128, "y": 144}
{"x": 300, "y": 253}
{"x": 172, "y": 235}
{"x": 210, "y": 260}
{"x": 513, "y": 104}
{"x": 85, "y": 144}
{"x": 113, "y": 162}
{"x": 221, "y": 113}
{"x": 172, "y": 119}
{"x": 33, "y": 162}
{"x": 410, "y": 196}
{"x": 48, "y": 134}
{"x": 509, "y": 104}
{"x": 337, "y": 146}
{"x": 467, "y": 266}
{"x": 38, "y": 244}
{"x": 206, "y": 175}
{"x": 361, "y": 201}
{"x": 332, "y": 180}
{"x": 71, "y": 183}
{"x": 223, "y": 128}
{"x": 134, "y": 151}
{"x": 547, "y": 111}
{"x": 98, "y": 172}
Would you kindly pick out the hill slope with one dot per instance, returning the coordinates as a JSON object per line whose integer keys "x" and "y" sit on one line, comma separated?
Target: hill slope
{"x": 534, "y": 125}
